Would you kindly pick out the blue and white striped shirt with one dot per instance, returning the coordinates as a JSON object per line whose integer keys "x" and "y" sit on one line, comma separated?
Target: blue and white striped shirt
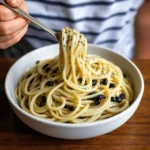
{"x": 108, "y": 23}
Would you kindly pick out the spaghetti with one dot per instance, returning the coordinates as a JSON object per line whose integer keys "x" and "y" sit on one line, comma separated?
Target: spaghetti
{"x": 74, "y": 87}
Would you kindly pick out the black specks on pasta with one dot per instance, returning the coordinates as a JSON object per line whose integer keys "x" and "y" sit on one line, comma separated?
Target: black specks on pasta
{"x": 113, "y": 99}
{"x": 71, "y": 108}
{"x": 32, "y": 80}
{"x": 67, "y": 122}
{"x": 97, "y": 101}
{"x": 42, "y": 101}
{"x": 80, "y": 80}
{"x": 112, "y": 85}
{"x": 94, "y": 82}
{"x": 118, "y": 99}
{"x": 28, "y": 75}
{"x": 122, "y": 95}
{"x": 48, "y": 69}
{"x": 56, "y": 70}
{"x": 82, "y": 117}
{"x": 104, "y": 81}
{"x": 45, "y": 66}
{"x": 91, "y": 93}
{"x": 101, "y": 96}
{"x": 50, "y": 83}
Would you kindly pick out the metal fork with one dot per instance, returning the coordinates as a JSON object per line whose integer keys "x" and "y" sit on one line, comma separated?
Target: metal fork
{"x": 31, "y": 19}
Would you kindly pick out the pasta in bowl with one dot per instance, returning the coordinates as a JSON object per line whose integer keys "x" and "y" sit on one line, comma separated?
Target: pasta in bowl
{"x": 70, "y": 93}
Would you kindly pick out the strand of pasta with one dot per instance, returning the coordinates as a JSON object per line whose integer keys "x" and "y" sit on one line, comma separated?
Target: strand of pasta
{"x": 65, "y": 88}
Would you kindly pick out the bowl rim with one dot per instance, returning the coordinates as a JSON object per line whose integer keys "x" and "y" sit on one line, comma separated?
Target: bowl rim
{"x": 58, "y": 124}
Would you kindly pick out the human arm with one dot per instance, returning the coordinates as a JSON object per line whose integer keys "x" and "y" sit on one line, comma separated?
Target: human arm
{"x": 12, "y": 26}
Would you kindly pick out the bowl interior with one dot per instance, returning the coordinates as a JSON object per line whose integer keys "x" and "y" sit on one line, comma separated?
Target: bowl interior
{"x": 29, "y": 60}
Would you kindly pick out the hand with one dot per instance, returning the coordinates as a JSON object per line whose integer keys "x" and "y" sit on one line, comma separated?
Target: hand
{"x": 12, "y": 26}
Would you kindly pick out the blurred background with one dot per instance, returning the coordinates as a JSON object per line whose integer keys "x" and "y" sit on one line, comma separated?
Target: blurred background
{"x": 142, "y": 28}
{"x": 142, "y": 31}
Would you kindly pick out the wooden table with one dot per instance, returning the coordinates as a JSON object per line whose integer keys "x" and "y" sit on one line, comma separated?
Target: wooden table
{"x": 133, "y": 135}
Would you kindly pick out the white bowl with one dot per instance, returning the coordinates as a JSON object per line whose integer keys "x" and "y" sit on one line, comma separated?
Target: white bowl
{"x": 73, "y": 131}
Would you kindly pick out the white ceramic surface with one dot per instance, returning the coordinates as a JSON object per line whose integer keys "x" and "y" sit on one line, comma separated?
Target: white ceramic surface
{"x": 73, "y": 131}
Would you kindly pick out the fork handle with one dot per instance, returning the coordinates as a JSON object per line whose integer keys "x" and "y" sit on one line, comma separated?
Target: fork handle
{"x": 30, "y": 18}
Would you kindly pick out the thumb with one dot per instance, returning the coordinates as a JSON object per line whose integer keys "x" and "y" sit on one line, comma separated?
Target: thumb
{"x": 14, "y": 3}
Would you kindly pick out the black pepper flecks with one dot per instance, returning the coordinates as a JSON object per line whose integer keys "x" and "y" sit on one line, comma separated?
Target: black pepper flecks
{"x": 94, "y": 82}
{"x": 97, "y": 101}
{"x": 91, "y": 93}
{"x": 122, "y": 95}
{"x": 118, "y": 99}
{"x": 112, "y": 85}
{"x": 50, "y": 83}
{"x": 80, "y": 80}
{"x": 82, "y": 117}
{"x": 37, "y": 86}
{"x": 46, "y": 65}
{"x": 56, "y": 70}
{"x": 92, "y": 98}
{"x": 28, "y": 75}
{"x": 113, "y": 99}
{"x": 32, "y": 80}
{"x": 42, "y": 101}
{"x": 101, "y": 96}
{"x": 104, "y": 81}
{"x": 71, "y": 108}
{"x": 48, "y": 69}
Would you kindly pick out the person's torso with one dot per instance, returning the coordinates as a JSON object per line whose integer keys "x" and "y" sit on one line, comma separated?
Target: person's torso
{"x": 107, "y": 23}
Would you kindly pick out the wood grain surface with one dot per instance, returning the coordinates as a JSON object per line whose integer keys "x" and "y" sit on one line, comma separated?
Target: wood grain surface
{"x": 133, "y": 135}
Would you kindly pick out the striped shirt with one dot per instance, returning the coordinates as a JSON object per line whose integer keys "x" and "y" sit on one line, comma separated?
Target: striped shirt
{"x": 108, "y": 23}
